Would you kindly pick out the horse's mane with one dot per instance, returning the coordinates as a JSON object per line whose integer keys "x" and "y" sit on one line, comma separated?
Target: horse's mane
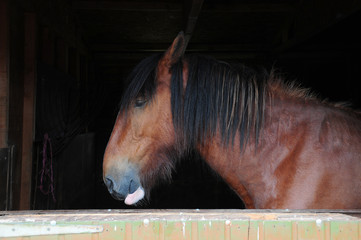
{"x": 219, "y": 96}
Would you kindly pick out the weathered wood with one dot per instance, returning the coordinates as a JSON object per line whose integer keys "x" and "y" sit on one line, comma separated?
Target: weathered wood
{"x": 4, "y": 72}
{"x": 28, "y": 108}
{"x": 127, "y": 6}
{"x": 161, "y": 47}
{"x": 174, "y": 6}
{"x": 181, "y": 224}
{"x": 5, "y": 170}
{"x": 178, "y": 214}
{"x": 247, "y": 7}
{"x": 16, "y": 94}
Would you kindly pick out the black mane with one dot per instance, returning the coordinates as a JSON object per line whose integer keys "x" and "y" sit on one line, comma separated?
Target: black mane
{"x": 218, "y": 96}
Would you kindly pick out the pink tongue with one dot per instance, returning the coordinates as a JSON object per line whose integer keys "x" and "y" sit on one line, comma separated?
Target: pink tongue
{"x": 134, "y": 197}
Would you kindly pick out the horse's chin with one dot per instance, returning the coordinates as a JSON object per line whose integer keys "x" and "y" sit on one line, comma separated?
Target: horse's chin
{"x": 134, "y": 197}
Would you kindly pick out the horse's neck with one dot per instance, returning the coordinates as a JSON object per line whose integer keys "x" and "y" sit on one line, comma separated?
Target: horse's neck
{"x": 251, "y": 172}
{"x": 227, "y": 162}
{"x": 297, "y": 141}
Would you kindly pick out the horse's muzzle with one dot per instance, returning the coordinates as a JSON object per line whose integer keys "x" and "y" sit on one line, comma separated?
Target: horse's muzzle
{"x": 120, "y": 186}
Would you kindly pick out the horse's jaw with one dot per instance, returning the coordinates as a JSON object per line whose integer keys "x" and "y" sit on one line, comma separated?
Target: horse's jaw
{"x": 134, "y": 197}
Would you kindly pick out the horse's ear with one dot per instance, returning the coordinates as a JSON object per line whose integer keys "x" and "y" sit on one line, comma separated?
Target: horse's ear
{"x": 175, "y": 51}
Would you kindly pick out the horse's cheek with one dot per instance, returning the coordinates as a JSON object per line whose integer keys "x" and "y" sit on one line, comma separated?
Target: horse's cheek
{"x": 165, "y": 121}
{"x": 140, "y": 124}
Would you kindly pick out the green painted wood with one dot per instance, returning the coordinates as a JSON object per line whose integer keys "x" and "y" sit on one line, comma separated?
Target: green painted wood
{"x": 239, "y": 229}
{"x": 211, "y": 230}
{"x": 310, "y": 230}
{"x": 191, "y": 224}
{"x": 341, "y": 230}
{"x": 275, "y": 230}
{"x": 177, "y": 230}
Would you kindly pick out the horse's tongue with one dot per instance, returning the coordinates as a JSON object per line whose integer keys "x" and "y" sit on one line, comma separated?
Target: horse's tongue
{"x": 134, "y": 197}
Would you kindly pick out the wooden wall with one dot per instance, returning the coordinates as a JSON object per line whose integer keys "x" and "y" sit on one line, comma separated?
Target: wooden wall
{"x": 15, "y": 96}
{"x": 30, "y": 55}
{"x": 4, "y": 78}
{"x": 30, "y": 31}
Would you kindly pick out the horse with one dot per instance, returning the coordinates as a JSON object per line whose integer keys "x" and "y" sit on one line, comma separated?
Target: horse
{"x": 273, "y": 142}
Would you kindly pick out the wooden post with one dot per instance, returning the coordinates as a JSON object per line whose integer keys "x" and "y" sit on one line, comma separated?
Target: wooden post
{"x": 28, "y": 109}
{"x": 4, "y": 73}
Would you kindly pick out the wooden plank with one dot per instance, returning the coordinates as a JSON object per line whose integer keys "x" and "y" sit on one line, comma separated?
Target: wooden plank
{"x": 309, "y": 230}
{"x": 342, "y": 230}
{"x": 240, "y": 230}
{"x": 28, "y": 108}
{"x": 4, "y": 73}
{"x": 143, "y": 6}
{"x": 247, "y": 7}
{"x": 211, "y": 229}
{"x": 146, "y": 229}
{"x": 274, "y": 230}
{"x": 16, "y": 95}
{"x": 180, "y": 215}
{"x": 177, "y": 230}
{"x": 162, "y": 47}
{"x": 184, "y": 224}
{"x": 5, "y": 161}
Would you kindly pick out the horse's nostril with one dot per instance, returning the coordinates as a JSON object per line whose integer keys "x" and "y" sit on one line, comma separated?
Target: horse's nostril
{"x": 109, "y": 183}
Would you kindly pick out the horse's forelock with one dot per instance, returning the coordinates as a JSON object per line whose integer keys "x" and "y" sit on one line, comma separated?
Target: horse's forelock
{"x": 142, "y": 81}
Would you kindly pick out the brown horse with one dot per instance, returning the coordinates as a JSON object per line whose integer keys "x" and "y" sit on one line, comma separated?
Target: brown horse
{"x": 273, "y": 143}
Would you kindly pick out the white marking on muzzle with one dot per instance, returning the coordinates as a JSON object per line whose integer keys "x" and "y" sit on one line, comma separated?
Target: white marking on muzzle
{"x": 134, "y": 197}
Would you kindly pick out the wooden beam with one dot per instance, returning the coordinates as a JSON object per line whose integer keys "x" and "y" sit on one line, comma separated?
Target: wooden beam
{"x": 127, "y": 6}
{"x": 236, "y": 7}
{"x": 4, "y": 73}
{"x": 161, "y": 47}
{"x": 123, "y": 58}
{"x": 177, "y": 7}
{"x": 28, "y": 108}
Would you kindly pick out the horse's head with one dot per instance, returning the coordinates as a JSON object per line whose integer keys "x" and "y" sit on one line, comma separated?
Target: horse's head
{"x": 141, "y": 146}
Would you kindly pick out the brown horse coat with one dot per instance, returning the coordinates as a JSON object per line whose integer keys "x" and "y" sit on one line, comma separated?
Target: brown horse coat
{"x": 294, "y": 152}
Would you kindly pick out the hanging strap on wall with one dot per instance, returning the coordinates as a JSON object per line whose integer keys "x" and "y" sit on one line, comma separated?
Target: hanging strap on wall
{"x": 46, "y": 173}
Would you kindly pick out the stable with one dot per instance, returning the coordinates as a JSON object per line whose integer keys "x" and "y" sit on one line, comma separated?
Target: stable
{"x": 63, "y": 73}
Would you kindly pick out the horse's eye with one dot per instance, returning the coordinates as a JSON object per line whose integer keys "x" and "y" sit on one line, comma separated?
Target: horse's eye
{"x": 139, "y": 102}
